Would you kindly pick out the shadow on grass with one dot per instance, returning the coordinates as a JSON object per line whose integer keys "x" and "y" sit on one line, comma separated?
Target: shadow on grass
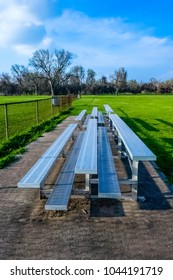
{"x": 145, "y": 125}
{"x": 165, "y": 122}
{"x": 164, "y": 158}
{"x": 168, "y": 141}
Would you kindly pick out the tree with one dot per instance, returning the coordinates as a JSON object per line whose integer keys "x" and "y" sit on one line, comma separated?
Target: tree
{"x": 77, "y": 74}
{"x": 120, "y": 79}
{"x": 7, "y": 87}
{"x": 18, "y": 72}
{"x": 51, "y": 65}
{"x": 133, "y": 86}
{"x": 90, "y": 79}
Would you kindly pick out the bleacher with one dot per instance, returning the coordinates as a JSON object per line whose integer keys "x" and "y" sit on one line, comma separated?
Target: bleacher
{"x": 91, "y": 154}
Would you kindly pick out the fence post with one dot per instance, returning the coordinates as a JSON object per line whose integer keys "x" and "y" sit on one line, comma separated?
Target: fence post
{"x": 52, "y": 106}
{"x": 6, "y": 121}
{"x": 37, "y": 112}
{"x": 60, "y": 103}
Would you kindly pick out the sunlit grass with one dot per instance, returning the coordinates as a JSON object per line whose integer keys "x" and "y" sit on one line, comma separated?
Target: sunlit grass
{"x": 21, "y": 98}
{"x": 151, "y": 117}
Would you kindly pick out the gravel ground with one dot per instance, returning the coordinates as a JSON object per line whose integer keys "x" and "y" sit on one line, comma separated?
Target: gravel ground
{"x": 101, "y": 229}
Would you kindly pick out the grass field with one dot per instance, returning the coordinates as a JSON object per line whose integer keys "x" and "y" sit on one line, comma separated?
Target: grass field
{"x": 22, "y": 98}
{"x": 151, "y": 117}
{"x": 23, "y": 112}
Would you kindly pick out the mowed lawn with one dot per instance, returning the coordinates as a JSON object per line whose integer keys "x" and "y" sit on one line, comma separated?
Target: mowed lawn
{"x": 21, "y": 98}
{"x": 150, "y": 116}
{"x": 21, "y": 111}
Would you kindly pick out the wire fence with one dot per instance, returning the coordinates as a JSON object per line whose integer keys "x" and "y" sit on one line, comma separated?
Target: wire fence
{"x": 19, "y": 116}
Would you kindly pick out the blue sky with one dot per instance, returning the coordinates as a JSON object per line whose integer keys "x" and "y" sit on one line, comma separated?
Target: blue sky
{"x": 103, "y": 35}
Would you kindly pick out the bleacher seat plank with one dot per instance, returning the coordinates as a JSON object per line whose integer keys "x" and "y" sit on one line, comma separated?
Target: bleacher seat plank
{"x": 108, "y": 185}
{"x": 87, "y": 160}
{"x": 101, "y": 121}
{"x": 108, "y": 109}
{"x": 81, "y": 115}
{"x": 94, "y": 113}
{"x": 60, "y": 195}
{"x": 134, "y": 145}
{"x": 35, "y": 177}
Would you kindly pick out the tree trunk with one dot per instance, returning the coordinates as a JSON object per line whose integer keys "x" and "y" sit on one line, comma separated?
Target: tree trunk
{"x": 51, "y": 88}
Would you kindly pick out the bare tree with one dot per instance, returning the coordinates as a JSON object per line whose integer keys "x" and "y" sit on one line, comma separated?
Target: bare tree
{"x": 77, "y": 75}
{"x": 51, "y": 65}
{"x": 120, "y": 79}
{"x": 7, "y": 86}
{"x": 90, "y": 79}
{"x": 19, "y": 72}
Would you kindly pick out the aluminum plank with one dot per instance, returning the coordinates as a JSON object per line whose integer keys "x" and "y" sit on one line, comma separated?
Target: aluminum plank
{"x": 35, "y": 177}
{"x": 94, "y": 113}
{"x": 60, "y": 195}
{"x": 81, "y": 115}
{"x": 87, "y": 160}
{"x": 133, "y": 144}
{"x": 108, "y": 185}
{"x": 108, "y": 109}
{"x": 101, "y": 121}
{"x": 55, "y": 149}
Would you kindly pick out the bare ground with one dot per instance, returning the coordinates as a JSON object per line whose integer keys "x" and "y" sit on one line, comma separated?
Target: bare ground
{"x": 91, "y": 228}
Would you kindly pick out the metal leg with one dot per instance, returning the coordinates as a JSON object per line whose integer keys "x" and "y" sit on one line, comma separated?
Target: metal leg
{"x": 135, "y": 177}
{"x": 42, "y": 193}
{"x": 119, "y": 146}
{"x": 135, "y": 170}
{"x": 87, "y": 181}
{"x": 110, "y": 123}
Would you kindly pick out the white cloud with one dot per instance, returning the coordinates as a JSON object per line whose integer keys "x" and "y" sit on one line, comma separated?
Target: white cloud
{"x": 109, "y": 42}
{"x": 14, "y": 18}
{"x": 103, "y": 44}
{"x": 27, "y": 50}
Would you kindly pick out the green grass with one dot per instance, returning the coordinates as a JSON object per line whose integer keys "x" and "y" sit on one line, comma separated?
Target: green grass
{"x": 10, "y": 149}
{"x": 27, "y": 120}
{"x": 23, "y": 115}
{"x": 21, "y": 98}
{"x": 149, "y": 116}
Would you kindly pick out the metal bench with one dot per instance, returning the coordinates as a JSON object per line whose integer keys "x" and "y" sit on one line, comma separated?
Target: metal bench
{"x": 87, "y": 160}
{"x": 36, "y": 176}
{"x": 94, "y": 113}
{"x": 108, "y": 109}
{"x": 101, "y": 121}
{"x": 108, "y": 185}
{"x": 59, "y": 198}
{"x": 135, "y": 149}
{"x": 81, "y": 116}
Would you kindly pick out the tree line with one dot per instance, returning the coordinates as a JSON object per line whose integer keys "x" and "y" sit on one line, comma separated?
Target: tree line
{"x": 49, "y": 72}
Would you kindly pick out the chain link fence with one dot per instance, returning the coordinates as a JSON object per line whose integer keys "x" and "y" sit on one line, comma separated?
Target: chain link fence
{"x": 20, "y": 116}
